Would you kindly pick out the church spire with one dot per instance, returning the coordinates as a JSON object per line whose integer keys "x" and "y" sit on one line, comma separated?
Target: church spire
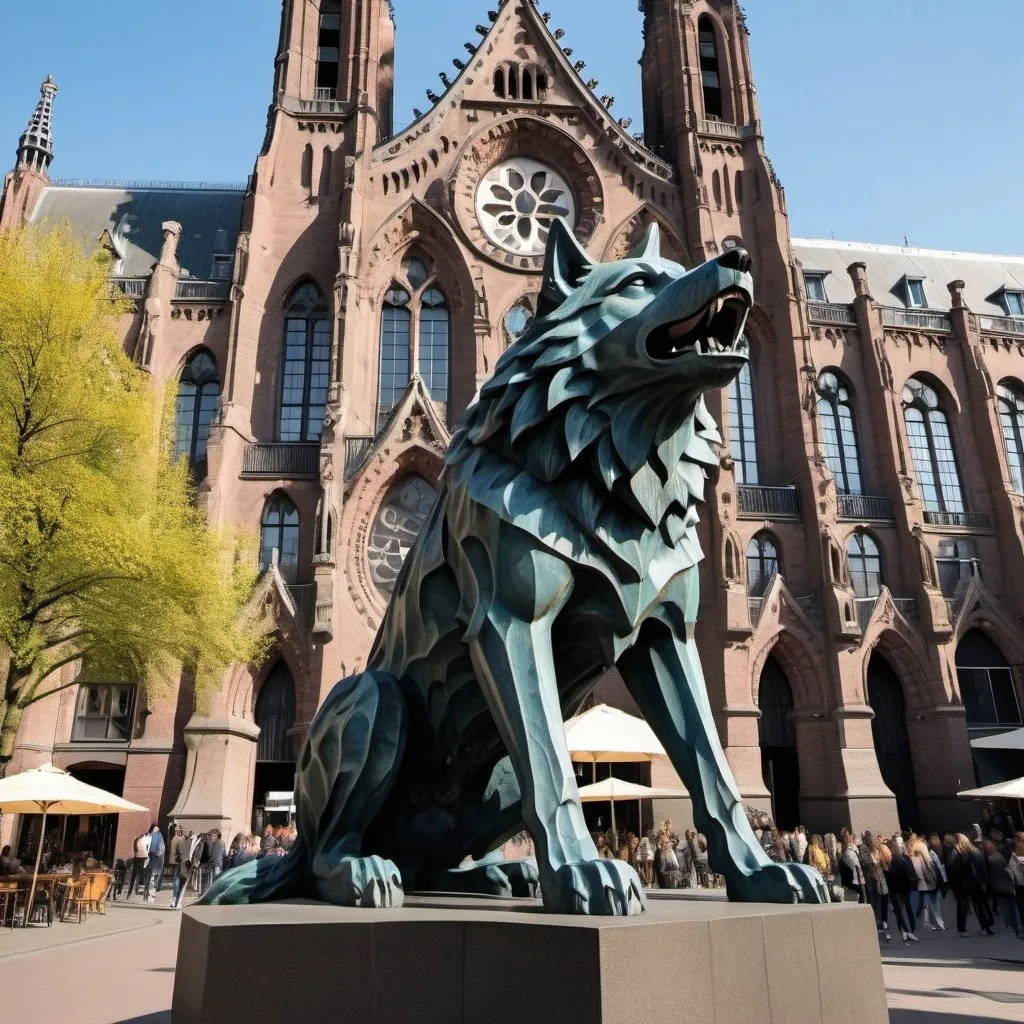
{"x": 35, "y": 147}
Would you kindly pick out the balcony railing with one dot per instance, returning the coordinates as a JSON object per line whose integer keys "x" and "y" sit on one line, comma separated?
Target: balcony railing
{"x": 969, "y": 520}
{"x": 756, "y": 604}
{"x": 281, "y": 461}
{"x": 356, "y": 450}
{"x": 769, "y": 502}
{"x": 132, "y": 287}
{"x": 303, "y": 596}
{"x": 202, "y": 291}
{"x": 831, "y": 313}
{"x": 923, "y": 321}
{"x": 325, "y": 93}
{"x": 864, "y": 506}
{"x": 725, "y": 130}
{"x": 1001, "y": 325}
{"x": 907, "y": 607}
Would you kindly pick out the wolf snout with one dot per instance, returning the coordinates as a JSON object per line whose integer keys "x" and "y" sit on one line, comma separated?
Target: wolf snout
{"x": 735, "y": 259}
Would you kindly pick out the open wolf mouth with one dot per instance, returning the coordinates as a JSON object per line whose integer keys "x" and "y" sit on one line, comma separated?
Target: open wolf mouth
{"x": 715, "y": 331}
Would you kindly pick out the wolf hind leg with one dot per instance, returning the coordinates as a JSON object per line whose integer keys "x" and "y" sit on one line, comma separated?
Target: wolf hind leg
{"x": 347, "y": 768}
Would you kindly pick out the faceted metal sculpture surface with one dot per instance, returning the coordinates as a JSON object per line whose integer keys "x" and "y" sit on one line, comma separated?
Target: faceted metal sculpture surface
{"x": 563, "y": 542}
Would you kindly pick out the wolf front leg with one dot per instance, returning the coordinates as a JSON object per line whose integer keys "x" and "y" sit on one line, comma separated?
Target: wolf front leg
{"x": 663, "y": 673}
{"x": 514, "y": 662}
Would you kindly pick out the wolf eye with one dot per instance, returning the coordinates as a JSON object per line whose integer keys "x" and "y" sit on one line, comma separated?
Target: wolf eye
{"x": 636, "y": 281}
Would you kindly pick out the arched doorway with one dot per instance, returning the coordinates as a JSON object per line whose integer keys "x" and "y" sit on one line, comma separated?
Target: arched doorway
{"x": 275, "y": 748}
{"x": 776, "y": 733}
{"x": 892, "y": 741}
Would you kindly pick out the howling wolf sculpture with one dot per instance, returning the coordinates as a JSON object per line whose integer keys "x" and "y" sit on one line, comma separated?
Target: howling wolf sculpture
{"x": 563, "y": 542}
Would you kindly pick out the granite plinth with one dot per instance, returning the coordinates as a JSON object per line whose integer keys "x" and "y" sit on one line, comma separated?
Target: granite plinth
{"x": 444, "y": 960}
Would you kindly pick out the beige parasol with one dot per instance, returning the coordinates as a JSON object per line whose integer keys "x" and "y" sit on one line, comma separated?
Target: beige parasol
{"x": 613, "y": 790}
{"x": 49, "y": 790}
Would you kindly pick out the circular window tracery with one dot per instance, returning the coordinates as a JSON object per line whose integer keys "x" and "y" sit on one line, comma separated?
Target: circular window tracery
{"x": 518, "y": 199}
{"x": 398, "y": 523}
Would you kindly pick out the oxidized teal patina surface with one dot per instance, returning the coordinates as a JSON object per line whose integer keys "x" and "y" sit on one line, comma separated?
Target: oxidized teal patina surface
{"x": 563, "y": 542}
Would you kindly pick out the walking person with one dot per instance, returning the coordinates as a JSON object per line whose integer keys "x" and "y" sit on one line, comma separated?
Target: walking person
{"x": 140, "y": 864}
{"x": 875, "y": 882}
{"x": 1015, "y": 866}
{"x": 894, "y": 899}
{"x": 967, "y": 869}
{"x": 215, "y": 853}
{"x": 928, "y": 878}
{"x": 1001, "y": 886}
{"x": 269, "y": 841}
{"x": 850, "y": 870}
{"x": 157, "y": 853}
{"x": 903, "y": 881}
{"x": 177, "y": 858}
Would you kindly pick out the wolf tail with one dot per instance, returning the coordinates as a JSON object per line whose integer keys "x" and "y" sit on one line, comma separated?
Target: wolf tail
{"x": 260, "y": 881}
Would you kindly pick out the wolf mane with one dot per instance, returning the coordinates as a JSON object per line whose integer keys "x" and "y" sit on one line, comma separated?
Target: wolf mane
{"x": 547, "y": 419}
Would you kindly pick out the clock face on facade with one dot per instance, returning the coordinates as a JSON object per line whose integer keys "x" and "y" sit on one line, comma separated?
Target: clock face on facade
{"x": 516, "y": 202}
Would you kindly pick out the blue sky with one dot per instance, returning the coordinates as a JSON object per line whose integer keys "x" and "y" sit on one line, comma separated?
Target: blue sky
{"x": 877, "y": 115}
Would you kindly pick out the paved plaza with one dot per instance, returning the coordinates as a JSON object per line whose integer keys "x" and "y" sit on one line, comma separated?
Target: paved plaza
{"x": 119, "y": 969}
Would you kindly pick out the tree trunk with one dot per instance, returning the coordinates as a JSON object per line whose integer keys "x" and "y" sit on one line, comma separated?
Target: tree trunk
{"x": 11, "y": 710}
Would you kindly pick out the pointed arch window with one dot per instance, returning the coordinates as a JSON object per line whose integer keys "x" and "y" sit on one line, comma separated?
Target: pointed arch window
{"x": 865, "y": 563}
{"x": 710, "y": 71}
{"x": 986, "y": 682}
{"x": 279, "y": 531}
{"x": 195, "y": 409}
{"x": 415, "y": 329}
{"x": 762, "y": 564}
{"x": 840, "y": 434}
{"x": 931, "y": 445}
{"x": 742, "y": 437}
{"x": 307, "y": 366}
{"x": 275, "y": 715}
{"x": 1011, "y": 419}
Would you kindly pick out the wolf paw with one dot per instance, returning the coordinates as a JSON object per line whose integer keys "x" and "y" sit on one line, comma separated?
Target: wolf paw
{"x": 780, "y": 883}
{"x": 597, "y": 888}
{"x": 370, "y": 882}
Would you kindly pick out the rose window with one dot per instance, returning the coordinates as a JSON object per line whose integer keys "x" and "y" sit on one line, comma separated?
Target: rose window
{"x": 398, "y": 524}
{"x": 516, "y": 202}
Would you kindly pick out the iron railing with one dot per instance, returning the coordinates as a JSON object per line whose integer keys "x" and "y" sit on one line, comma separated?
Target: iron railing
{"x": 923, "y": 321}
{"x": 134, "y": 184}
{"x": 970, "y": 520}
{"x": 303, "y": 596}
{"x": 907, "y": 607}
{"x": 756, "y": 605}
{"x": 811, "y": 606}
{"x": 865, "y": 609}
{"x": 132, "y": 287}
{"x": 831, "y": 313}
{"x": 769, "y": 502}
{"x": 1001, "y": 324}
{"x": 356, "y": 450}
{"x": 281, "y": 461}
{"x": 202, "y": 291}
{"x": 327, "y": 93}
{"x": 864, "y": 506}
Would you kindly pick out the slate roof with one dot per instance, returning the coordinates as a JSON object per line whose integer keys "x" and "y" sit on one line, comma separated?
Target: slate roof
{"x": 133, "y": 216}
{"x": 887, "y": 265}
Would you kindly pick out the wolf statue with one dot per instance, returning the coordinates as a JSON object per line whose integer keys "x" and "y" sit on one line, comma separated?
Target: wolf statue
{"x": 563, "y": 542}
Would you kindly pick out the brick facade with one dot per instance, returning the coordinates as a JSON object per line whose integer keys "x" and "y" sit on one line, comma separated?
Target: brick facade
{"x": 340, "y": 200}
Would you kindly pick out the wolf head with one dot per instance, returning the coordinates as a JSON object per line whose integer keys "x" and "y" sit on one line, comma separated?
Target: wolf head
{"x": 611, "y": 374}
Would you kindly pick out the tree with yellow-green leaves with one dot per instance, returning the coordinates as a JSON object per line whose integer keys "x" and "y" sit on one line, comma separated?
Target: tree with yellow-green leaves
{"x": 108, "y": 570}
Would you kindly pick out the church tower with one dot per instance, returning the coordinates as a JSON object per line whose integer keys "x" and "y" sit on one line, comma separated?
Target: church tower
{"x": 25, "y": 183}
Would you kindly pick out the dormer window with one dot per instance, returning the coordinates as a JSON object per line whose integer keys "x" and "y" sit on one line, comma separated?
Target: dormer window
{"x": 815, "y": 285}
{"x": 1013, "y": 303}
{"x": 913, "y": 293}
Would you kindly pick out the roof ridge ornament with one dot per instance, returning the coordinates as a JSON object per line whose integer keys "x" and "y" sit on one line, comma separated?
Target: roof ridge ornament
{"x": 35, "y": 147}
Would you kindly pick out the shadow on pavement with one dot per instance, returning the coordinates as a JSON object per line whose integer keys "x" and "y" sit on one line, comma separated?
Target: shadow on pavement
{"x": 164, "y": 1017}
{"x": 926, "y": 1017}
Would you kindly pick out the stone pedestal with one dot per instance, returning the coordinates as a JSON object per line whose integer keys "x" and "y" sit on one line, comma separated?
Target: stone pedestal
{"x": 478, "y": 961}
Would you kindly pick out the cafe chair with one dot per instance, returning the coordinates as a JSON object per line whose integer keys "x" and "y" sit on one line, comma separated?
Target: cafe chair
{"x": 74, "y": 898}
{"x": 42, "y": 907}
{"x": 12, "y": 900}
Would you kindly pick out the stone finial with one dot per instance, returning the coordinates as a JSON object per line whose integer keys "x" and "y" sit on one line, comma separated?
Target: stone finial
{"x": 859, "y": 275}
{"x": 956, "y": 291}
{"x": 172, "y": 234}
{"x": 35, "y": 147}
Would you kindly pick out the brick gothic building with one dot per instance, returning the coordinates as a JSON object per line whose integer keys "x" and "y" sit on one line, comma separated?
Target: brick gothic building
{"x": 325, "y": 326}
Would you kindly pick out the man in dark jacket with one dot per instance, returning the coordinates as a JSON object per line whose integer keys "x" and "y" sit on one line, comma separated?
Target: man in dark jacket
{"x": 1001, "y": 887}
{"x": 178, "y": 860}
{"x": 215, "y": 852}
{"x": 157, "y": 854}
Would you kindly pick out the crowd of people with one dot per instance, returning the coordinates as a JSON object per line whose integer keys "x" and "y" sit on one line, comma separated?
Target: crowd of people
{"x": 910, "y": 874}
{"x": 662, "y": 858}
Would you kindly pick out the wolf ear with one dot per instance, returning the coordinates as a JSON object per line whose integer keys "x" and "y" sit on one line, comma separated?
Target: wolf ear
{"x": 564, "y": 263}
{"x": 650, "y": 245}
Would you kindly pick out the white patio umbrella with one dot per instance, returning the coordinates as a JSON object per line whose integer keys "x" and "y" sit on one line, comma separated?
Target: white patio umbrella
{"x": 49, "y": 790}
{"x": 1012, "y": 790}
{"x": 615, "y": 790}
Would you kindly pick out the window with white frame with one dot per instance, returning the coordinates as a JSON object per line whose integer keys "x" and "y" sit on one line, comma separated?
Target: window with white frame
{"x": 1013, "y": 303}
{"x": 915, "y": 294}
{"x": 104, "y": 713}
{"x": 815, "y": 285}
